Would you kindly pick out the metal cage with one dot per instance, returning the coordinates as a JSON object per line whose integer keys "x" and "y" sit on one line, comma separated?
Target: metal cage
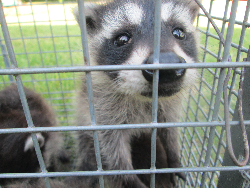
{"x": 43, "y": 51}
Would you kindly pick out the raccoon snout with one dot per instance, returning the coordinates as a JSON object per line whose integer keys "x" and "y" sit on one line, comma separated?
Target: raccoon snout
{"x": 165, "y": 76}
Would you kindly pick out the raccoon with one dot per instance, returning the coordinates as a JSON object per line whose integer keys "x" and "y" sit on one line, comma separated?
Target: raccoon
{"x": 121, "y": 32}
{"x": 17, "y": 153}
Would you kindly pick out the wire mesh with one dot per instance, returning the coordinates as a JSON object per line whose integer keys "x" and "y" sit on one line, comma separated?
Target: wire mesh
{"x": 47, "y": 46}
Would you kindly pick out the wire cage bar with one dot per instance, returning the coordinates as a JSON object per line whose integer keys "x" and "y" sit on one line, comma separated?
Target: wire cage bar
{"x": 46, "y": 55}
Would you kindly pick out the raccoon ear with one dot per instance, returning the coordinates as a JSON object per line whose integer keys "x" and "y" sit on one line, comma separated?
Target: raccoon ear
{"x": 194, "y": 9}
{"x": 29, "y": 142}
{"x": 90, "y": 15}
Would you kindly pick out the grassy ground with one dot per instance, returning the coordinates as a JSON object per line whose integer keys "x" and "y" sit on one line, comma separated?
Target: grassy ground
{"x": 48, "y": 51}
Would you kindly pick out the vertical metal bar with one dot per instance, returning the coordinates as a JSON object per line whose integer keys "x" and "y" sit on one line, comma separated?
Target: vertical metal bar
{"x": 209, "y": 119}
{"x": 82, "y": 23}
{"x": 243, "y": 30}
{"x": 30, "y": 124}
{"x": 21, "y": 91}
{"x": 24, "y": 47}
{"x": 223, "y": 29}
{"x": 217, "y": 155}
{"x": 226, "y": 55}
{"x": 197, "y": 21}
{"x": 40, "y": 51}
{"x": 196, "y": 115}
{"x": 190, "y": 151}
{"x": 59, "y": 76}
{"x": 208, "y": 29}
{"x": 7, "y": 37}
{"x": 6, "y": 59}
{"x": 199, "y": 96}
{"x": 232, "y": 86}
{"x": 70, "y": 53}
{"x": 242, "y": 36}
{"x": 185, "y": 128}
{"x": 204, "y": 60}
{"x": 157, "y": 38}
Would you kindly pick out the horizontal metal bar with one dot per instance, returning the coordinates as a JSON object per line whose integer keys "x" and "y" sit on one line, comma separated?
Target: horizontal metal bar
{"x": 123, "y": 126}
{"x": 242, "y": 49}
{"x": 227, "y": 20}
{"x": 123, "y": 67}
{"x": 123, "y": 172}
{"x": 210, "y": 52}
{"x": 214, "y": 17}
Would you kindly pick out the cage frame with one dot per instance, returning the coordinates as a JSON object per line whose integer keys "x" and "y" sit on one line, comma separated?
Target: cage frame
{"x": 212, "y": 119}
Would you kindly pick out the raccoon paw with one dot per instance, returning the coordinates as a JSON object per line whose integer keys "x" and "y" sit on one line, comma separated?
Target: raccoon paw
{"x": 181, "y": 175}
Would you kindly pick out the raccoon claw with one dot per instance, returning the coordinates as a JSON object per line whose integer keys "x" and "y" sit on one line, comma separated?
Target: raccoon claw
{"x": 181, "y": 175}
{"x": 173, "y": 178}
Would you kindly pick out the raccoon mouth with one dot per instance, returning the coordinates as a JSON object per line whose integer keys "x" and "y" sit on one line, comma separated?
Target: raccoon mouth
{"x": 162, "y": 92}
{"x": 164, "y": 89}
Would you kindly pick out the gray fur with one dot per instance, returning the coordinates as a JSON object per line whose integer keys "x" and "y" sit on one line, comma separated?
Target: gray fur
{"x": 118, "y": 101}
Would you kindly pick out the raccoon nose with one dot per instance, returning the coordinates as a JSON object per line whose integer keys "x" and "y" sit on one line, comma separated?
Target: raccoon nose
{"x": 165, "y": 76}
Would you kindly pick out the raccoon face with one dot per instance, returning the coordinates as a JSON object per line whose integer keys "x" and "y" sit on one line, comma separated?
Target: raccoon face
{"x": 122, "y": 32}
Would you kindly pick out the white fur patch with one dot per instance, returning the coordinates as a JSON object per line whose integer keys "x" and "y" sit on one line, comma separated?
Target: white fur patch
{"x": 189, "y": 72}
{"x": 132, "y": 81}
{"x": 29, "y": 142}
{"x": 133, "y": 12}
{"x": 182, "y": 14}
{"x": 115, "y": 20}
{"x": 166, "y": 11}
{"x": 177, "y": 49}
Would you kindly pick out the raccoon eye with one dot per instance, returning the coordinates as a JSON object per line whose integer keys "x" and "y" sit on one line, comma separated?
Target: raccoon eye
{"x": 122, "y": 39}
{"x": 179, "y": 34}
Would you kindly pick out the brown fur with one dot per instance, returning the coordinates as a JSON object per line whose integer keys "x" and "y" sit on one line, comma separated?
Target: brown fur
{"x": 12, "y": 155}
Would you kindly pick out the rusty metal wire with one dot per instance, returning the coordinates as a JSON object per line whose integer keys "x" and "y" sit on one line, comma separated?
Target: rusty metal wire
{"x": 226, "y": 106}
{"x": 227, "y": 121}
{"x": 244, "y": 161}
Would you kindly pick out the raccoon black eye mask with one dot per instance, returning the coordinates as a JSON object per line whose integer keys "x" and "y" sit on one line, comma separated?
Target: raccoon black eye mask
{"x": 121, "y": 33}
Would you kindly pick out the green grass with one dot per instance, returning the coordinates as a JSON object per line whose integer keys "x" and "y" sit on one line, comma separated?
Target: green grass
{"x": 46, "y": 51}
